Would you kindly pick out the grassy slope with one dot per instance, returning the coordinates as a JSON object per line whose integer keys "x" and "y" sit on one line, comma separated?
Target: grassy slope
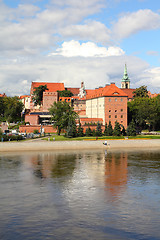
{"x": 62, "y": 138}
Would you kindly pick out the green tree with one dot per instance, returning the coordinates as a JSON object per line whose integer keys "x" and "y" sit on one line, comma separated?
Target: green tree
{"x": 80, "y": 130}
{"x": 38, "y": 94}
{"x": 106, "y": 130}
{"x": 98, "y": 129}
{"x": 2, "y": 109}
{"x": 138, "y": 110}
{"x": 110, "y": 129}
{"x": 65, "y": 93}
{"x": 131, "y": 129}
{"x": 123, "y": 131}
{"x": 88, "y": 132}
{"x": 117, "y": 129}
{"x": 141, "y": 92}
{"x": 71, "y": 129}
{"x": 153, "y": 118}
{"x": 94, "y": 134}
{"x": 61, "y": 113}
{"x": 13, "y": 109}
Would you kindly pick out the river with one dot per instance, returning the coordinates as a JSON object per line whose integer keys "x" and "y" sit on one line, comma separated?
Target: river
{"x": 87, "y": 195}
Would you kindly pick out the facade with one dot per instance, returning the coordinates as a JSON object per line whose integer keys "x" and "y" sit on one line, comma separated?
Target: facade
{"x": 108, "y": 103}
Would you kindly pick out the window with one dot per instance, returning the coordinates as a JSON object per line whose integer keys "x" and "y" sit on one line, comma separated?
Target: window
{"x": 115, "y": 116}
{"x": 121, "y": 116}
{"x": 121, "y": 110}
{"x": 109, "y": 110}
{"x": 121, "y": 99}
{"x": 109, "y": 116}
{"x": 115, "y": 99}
{"x": 115, "y": 110}
{"x": 109, "y": 99}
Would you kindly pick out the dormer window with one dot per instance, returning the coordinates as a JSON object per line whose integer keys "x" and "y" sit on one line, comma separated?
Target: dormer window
{"x": 115, "y": 93}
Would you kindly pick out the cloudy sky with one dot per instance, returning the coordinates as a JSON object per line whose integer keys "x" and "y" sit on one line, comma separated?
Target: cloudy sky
{"x": 79, "y": 40}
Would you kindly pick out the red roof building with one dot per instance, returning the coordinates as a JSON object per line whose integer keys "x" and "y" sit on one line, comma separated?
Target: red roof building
{"x": 52, "y": 87}
{"x": 108, "y": 103}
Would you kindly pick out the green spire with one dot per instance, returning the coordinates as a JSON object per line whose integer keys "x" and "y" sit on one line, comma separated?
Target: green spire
{"x": 125, "y": 76}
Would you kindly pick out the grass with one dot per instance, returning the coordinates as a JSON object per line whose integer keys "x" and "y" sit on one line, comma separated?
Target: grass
{"x": 63, "y": 138}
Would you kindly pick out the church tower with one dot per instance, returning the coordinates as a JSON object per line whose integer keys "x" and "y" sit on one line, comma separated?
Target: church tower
{"x": 125, "y": 82}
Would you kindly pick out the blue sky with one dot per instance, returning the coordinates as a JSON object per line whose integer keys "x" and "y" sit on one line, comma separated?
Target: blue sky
{"x": 72, "y": 41}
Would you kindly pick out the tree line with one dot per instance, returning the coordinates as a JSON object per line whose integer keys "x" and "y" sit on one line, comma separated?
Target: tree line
{"x": 144, "y": 111}
{"x": 64, "y": 117}
{"x": 10, "y": 109}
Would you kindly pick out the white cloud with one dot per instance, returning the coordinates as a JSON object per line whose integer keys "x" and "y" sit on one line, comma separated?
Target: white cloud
{"x": 132, "y": 23}
{"x": 28, "y": 34}
{"x": 151, "y": 78}
{"x": 91, "y": 30}
{"x": 93, "y": 71}
{"x": 79, "y": 4}
{"x": 88, "y": 49}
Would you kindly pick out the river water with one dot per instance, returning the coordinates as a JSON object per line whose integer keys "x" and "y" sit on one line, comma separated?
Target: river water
{"x": 80, "y": 195}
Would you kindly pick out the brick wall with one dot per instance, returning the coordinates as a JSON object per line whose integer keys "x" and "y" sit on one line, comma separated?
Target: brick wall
{"x": 32, "y": 119}
{"x": 116, "y": 110}
{"x": 31, "y": 128}
{"x": 48, "y": 99}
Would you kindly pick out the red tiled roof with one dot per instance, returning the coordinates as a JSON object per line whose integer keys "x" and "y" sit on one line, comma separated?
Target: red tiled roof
{"x": 75, "y": 91}
{"x": 152, "y": 95}
{"x": 23, "y": 96}
{"x": 129, "y": 92}
{"x": 3, "y": 95}
{"x": 52, "y": 87}
{"x": 109, "y": 90}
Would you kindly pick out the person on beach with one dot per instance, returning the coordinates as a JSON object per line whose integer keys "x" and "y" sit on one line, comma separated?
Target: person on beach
{"x": 105, "y": 143}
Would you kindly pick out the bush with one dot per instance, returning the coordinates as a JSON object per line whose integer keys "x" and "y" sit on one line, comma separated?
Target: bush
{"x": 117, "y": 129}
{"x": 36, "y": 131}
{"x": 110, "y": 129}
{"x": 89, "y": 132}
{"x": 98, "y": 130}
{"x": 131, "y": 130}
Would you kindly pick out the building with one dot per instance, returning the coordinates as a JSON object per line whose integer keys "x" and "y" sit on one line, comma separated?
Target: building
{"x": 3, "y": 95}
{"x": 108, "y": 103}
{"x": 102, "y": 104}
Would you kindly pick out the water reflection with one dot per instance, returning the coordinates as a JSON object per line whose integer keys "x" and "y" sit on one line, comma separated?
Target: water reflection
{"x": 55, "y": 166}
{"x": 85, "y": 195}
{"x": 116, "y": 173}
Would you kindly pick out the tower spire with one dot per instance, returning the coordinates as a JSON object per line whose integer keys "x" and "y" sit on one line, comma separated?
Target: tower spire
{"x": 125, "y": 82}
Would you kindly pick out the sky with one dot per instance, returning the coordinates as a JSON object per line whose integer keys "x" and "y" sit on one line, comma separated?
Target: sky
{"x": 71, "y": 41}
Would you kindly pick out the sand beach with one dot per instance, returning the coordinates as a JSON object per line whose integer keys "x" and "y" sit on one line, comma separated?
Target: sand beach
{"x": 42, "y": 145}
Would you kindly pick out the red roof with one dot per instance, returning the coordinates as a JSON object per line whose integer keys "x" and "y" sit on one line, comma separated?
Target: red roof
{"x": 3, "y": 95}
{"x": 24, "y": 96}
{"x": 75, "y": 91}
{"x": 52, "y": 87}
{"x": 109, "y": 90}
{"x": 129, "y": 92}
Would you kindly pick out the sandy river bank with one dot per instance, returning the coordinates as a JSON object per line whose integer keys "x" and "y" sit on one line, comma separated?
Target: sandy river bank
{"x": 42, "y": 145}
